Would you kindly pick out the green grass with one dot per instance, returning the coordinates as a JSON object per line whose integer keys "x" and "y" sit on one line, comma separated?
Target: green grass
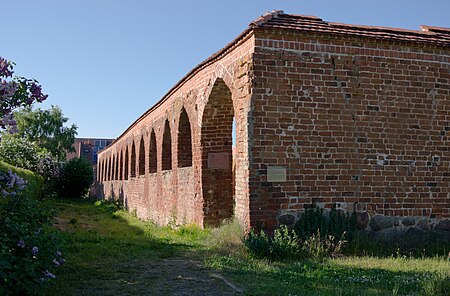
{"x": 110, "y": 252}
{"x": 345, "y": 276}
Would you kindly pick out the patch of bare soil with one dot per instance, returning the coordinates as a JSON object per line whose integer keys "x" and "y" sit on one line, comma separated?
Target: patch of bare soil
{"x": 181, "y": 276}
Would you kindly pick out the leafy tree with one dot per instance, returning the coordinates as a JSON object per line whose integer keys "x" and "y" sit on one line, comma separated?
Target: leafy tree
{"x": 46, "y": 128}
{"x": 75, "y": 178}
{"x": 19, "y": 152}
{"x": 28, "y": 247}
{"x": 14, "y": 93}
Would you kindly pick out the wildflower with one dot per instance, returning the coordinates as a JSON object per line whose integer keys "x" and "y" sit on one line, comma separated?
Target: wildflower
{"x": 49, "y": 275}
{"x": 34, "y": 250}
{"x": 56, "y": 262}
{"x": 58, "y": 253}
{"x": 21, "y": 244}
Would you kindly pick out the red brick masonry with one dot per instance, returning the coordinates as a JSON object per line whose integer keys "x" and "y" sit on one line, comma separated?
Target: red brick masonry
{"x": 327, "y": 114}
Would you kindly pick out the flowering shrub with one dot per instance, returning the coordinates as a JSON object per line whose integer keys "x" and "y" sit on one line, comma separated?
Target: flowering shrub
{"x": 15, "y": 92}
{"x": 19, "y": 152}
{"x": 29, "y": 248}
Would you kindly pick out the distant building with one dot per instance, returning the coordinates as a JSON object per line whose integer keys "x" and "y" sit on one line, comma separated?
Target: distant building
{"x": 88, "y": 148}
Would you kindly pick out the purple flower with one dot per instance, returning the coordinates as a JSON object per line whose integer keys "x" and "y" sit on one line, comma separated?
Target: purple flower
{"x": 58, "y": 253}
{"x": 56, "y": 262}
{"x": 34, "y": 250}
{"x": 21, "y": 244}
{"x": 49, "y": 275}
{"x": 5, "y": 68}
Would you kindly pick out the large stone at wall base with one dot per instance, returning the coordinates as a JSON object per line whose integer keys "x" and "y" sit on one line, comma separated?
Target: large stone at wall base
{"x": 424, "y": 224}
{"x": 389, "y": 236}
{"x": 362, "y": 220}
{"x": 380, "y": 222}
{"x": 409, "y": 221}
{"x": 286, "y": 219}
{"x": 414, "y": 236}
{"x": 443, "y": 225}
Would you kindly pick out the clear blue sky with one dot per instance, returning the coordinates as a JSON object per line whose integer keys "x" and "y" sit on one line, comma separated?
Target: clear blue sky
{"x": 105, "y": 62}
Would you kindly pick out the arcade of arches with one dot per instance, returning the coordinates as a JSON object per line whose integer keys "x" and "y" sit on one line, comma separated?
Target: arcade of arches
{"x": 326, "y": 114}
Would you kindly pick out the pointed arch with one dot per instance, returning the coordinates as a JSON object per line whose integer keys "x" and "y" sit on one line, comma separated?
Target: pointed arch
{"x": 216, "y": 143}
{"x": 141, "y": 157}
{"x": 113, "y": 167}
{"x": 121, "y": 165}
{"x": 152, "y": 154}
{"x": 184, "y": 140}
{"x": 116, "y": 170}
{"x": 167, "y": 148}
{"x": 126, "y": 174}
{"x": 133, "y": 161}
{"x": 100, "y": 170}
{"x": 109, "y": 168}
{"x": 104, "y": 170}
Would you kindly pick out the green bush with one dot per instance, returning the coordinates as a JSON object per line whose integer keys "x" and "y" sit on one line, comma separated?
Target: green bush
{"x": 258, "y": 245}
{"x": 19, "y": 152}
{"x": 35, "y": 183}
{"x": 228, "y": 238}
{"x": 284, "y": 244}
{"x": 22, "y": 153}
{"x": 339, "y": 225}
{"x": 439, "y": 285}
{"x": 318, "y": 247}
{"x": 75, "y": 178}
{"x": 29, "y": 246}
{"x": 314, "y": 236}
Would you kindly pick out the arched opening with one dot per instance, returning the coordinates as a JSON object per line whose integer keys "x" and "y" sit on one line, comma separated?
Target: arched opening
{"x": 113, "y": 164}
{"x": 184, "y": 141}
{"x": 167, "y": 148}
{"x": 109, "y": 168}
{"x": 217, "y": 155}
{"x": 152, "y": 156}
{"x": 121, "y": 166}
{"x": 125, "y": 177}
{"x": 141, "y": 158}
{"x": 99, "y": 171}
{"x": 116, "y": 170}
{"x": 133, "y": 161}
{"x": 104, "y": 170}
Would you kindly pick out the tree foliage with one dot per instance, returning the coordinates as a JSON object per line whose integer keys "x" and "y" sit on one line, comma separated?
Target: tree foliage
{"x": 47, "y": 129}
{"x": 28, "y": 245}
{"x": 19, "y": 152}
{"x": 75, "y": 178}
{"x": 14, "y": 93}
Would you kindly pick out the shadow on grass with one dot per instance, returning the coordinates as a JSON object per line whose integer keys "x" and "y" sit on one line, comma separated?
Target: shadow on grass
{"x": 108, "y": 251}
{"x": 313, "y": 278}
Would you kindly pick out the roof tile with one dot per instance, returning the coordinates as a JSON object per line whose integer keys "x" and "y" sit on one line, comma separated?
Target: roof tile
{"x": 280, "y": 20}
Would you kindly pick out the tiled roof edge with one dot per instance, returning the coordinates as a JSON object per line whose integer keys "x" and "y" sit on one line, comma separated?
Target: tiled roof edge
{"x": 265, "y": 17}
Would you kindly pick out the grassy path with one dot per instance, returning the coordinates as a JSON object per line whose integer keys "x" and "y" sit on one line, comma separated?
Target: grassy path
{"x": 110, "y": 252}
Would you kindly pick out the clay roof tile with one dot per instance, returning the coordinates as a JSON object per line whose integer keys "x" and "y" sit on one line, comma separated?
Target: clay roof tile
{"x": 280, "y": 20}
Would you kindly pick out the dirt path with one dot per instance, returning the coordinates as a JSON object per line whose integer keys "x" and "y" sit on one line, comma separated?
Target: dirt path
{"x": 181, "y": 276}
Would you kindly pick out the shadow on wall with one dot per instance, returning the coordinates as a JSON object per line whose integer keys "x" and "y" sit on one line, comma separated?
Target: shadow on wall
{"x": 122, "y": 197}
{"x": 96, "y": 190}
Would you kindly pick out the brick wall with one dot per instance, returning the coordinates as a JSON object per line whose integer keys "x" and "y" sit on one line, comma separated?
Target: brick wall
{"x": 174, "y": 164}
{"x": 337, "y": 119}
{"x": 355, "y": 123}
